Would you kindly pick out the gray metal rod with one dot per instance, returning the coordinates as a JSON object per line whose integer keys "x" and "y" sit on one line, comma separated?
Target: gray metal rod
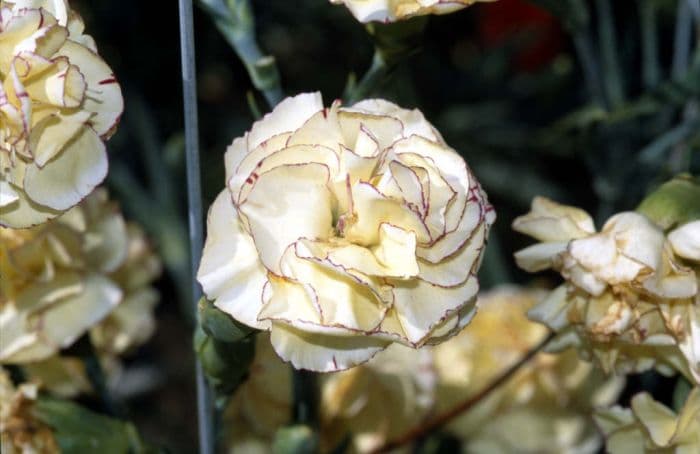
{"x": 205, "y": 414}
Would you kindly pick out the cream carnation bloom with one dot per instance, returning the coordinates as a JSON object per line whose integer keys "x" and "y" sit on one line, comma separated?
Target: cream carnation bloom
{"x": 651, "y": 427}
{"x": 59, "y": 102}
{"x": 342, "y": 230}
{"x": 372, "y": 403}
{"x": 628, "y": 300}
{"x": 544, "y": 408}
{"x": 63, "y": 278}
{"x": 393, "y": 10}
{"x": 20, "y": 431}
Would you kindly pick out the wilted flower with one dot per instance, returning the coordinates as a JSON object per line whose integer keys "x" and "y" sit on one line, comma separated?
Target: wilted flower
{"x": 371, "y": 403}
{"x": 628, "y": 299}
{"x": 59, "y": 102}
{"x": 63, "y": 278}
{"x": 650, "y": 426}
{"x": 393, "y": 10}
{"x": 343, "y": 230}
{"x": 544, "y": 408}
{"x": 20, "y": 431}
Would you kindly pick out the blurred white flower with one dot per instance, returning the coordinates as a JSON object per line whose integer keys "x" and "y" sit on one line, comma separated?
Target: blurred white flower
{"x": 67, "y": 276}
{"x": 544, "y": 408}
{"x": 20, "y": 431}
{"x": 651, "y": 427}
{"x": 59, "y": 102}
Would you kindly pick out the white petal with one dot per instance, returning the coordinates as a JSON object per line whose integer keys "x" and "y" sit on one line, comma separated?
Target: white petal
{"x": 539, "y": 256}
{"x": 67, "y": 179}
{"x": 323, "y": 353}
{"x": 287, "y": 203}
{"x": 685, "y": 240}
{"x": 287, "y": 116}
{"x": 421, "y": 306}
{"x": 230, "y": 272}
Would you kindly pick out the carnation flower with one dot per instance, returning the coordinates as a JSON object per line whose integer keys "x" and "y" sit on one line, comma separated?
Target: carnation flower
{"x": 628, "y": 299}
{"x": 545, "y": 407}
{"x": 59, "y": 102}
{"x": 342, "y": 230}
{"x": 393, "y": 10}
{"x": 371, "y": 404}
{"x": 65, "y": 277}
{"x": 20, "y": 431}
{"x": 650, "y": 426}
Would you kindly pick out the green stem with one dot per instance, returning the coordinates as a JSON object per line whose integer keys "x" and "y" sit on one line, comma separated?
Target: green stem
{"x": 237, "y": 25}
{"x": 651, "y": 73}
{"x": 374, "y": 76}
{"x": 612, "y": 75}
{"x": 578, "y": 23}
{"x": 305, "y": 397}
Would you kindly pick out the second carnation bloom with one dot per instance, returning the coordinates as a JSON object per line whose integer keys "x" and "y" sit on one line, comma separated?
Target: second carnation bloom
{"x": 343, "y": 230}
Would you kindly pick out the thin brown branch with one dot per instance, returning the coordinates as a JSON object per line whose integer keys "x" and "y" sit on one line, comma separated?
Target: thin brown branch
{"x": 425, "y": 429}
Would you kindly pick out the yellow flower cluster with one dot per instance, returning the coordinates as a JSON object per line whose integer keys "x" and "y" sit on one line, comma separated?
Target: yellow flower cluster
{"x": 87, "y": 270}
{"x": 20, "y": 432}
{"x": 59, "y": 102}
{"x": 546, "y": 407}
{"x": 630, "y": 299}
{"x": 651, "y": 427}
{"x": 394, "y": 10}
{"x": 375, "y": 237}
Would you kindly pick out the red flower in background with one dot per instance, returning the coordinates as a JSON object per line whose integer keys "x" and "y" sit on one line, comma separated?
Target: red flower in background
{"x": 538, "y": 34}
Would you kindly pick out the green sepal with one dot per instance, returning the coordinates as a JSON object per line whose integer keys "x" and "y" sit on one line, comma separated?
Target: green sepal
{"x": 219, "y": 325}
{"x": 398, "y": 40}
{"x": 297, "y": 439}
{"x": 79, "y": 430}
{"x": 225, "y": 364}
{"x": 674, "y": 203}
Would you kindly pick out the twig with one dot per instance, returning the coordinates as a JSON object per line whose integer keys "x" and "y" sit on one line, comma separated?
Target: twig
{"x": 194, "y": 198}
{"x": 439, "y": 421}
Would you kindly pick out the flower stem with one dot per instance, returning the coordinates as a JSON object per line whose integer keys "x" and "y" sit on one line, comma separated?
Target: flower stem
{"x": 205, "y": 413}
{"x": 376, "y": 73}
{"x": 439, "y": 421}
{"x": 612, "y": 75}
{"x": 305, "y": 397}
{"x": 236, "y": 23}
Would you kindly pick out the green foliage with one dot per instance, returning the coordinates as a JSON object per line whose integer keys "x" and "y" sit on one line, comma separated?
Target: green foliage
{"x": 78, "y": 430}
{"x": 298, "y": 439}
{"x": 673, "y": 203}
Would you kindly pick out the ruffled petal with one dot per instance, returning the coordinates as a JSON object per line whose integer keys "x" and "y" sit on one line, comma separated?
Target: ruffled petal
{"x": 321, "y": 352}
{"x": 230, "y": 272}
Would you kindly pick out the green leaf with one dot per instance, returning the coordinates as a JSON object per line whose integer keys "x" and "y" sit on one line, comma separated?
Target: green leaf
{"x": 79, "y": 430}
{"x": 674, "y": 202}
{"x": 297, "y": 439}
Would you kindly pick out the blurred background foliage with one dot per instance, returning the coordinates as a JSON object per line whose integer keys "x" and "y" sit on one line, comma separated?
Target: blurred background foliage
{"x": 588, "y": 102}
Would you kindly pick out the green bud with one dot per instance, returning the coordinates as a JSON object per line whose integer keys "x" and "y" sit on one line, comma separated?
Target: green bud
{"x": 298, "y": 439}
{"x": 219, "y": 325}
{"x": 673, "y": 203}
{"x": 224, "y": 363}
